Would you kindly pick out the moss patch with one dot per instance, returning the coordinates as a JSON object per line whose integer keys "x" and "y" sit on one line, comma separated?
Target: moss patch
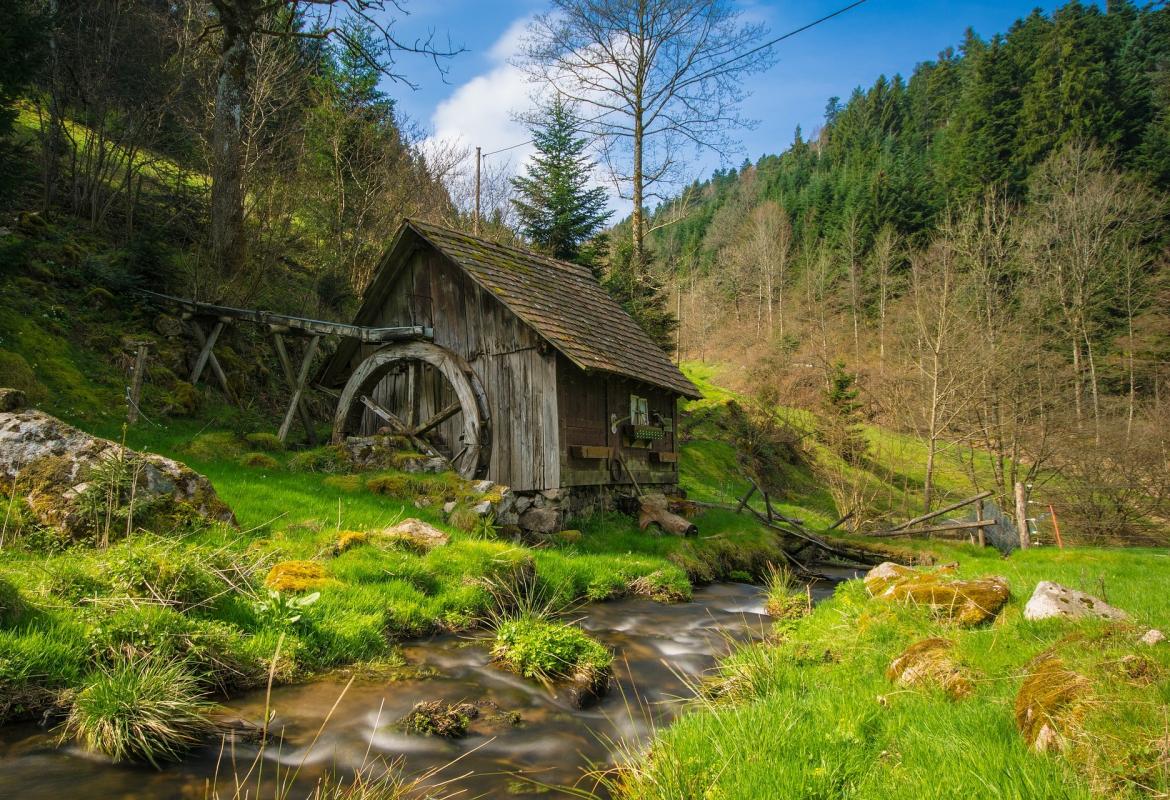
{"x": 296, "y": 576}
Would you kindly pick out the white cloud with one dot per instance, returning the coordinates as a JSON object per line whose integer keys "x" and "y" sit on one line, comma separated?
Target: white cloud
{"x": 480, "y": 112}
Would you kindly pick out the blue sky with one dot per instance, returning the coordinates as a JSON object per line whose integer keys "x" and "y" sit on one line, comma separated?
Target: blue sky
{"x": 474, "y": 105}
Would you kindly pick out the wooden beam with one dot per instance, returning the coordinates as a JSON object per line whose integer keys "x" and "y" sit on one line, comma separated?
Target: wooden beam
{"x": 592, "y": 452}
{"x": 314, "y": 327}
{"x": 744, "y": 501}
{"x": 299, "y": 389}
{"x": 950, "y": 526}
{"x": 286, "y": 367}
{"x": 438, "y": 419}
{"x": 941, "y": 511}
{"x": 205, "y": 354}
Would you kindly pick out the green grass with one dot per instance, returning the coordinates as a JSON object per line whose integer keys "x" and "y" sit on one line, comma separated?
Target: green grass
{"x": 547, "y": 650}
{"x": 811, "y": 713}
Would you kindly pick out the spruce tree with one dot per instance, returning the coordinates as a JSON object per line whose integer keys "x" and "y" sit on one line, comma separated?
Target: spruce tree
{"x": 557, "y": 209}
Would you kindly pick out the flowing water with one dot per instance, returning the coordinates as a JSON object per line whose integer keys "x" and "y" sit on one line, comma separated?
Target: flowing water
{"x": 659, "y": 649}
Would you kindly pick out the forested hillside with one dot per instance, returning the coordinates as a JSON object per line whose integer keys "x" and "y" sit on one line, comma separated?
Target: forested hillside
{"x": 976, "y": 254}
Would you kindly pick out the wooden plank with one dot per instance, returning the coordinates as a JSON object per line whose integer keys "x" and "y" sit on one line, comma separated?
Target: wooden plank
{"x": 299, "y": 389}
{"x": 286, "y": 367}
{"x": 664, "y": 457}
{"x": 590, "y": 451}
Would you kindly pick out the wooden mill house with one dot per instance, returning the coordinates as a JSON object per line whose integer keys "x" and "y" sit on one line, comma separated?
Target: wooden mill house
{"x": 525, "y": 371}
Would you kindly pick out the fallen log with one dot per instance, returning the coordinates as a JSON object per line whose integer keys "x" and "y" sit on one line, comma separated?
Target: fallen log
{"x": 655, "y": 509}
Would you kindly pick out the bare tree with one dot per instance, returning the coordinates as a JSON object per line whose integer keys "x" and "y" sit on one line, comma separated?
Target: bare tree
{"x": 1084, "y": 213}
{"x": 935, "y": 346}
{"x": 240, "y": 25}
{"x": 882, "y": 258}
{"x": 651, "y": 77}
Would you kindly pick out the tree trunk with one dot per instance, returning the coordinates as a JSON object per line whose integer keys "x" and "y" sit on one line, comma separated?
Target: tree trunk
{"x": 228, "y": 242}
{"x": 637, "y": 222}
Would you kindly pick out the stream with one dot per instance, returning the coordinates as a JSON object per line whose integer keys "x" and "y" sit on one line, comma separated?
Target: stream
{"x": 658, "y": 650}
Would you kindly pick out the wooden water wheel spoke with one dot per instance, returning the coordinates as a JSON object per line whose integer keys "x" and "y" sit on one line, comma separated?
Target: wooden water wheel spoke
{"x": 437, "y": 419}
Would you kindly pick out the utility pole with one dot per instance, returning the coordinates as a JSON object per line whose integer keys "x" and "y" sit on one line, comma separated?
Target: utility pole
{"x": 478, "y": 159}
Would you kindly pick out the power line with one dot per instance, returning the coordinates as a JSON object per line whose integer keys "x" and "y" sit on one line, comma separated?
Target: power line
{"x": 764, "y": 46}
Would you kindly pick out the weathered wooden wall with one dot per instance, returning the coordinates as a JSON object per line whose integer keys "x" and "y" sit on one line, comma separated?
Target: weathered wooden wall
{"x": 587, "y": 402}
{"x": 519, "y": 378}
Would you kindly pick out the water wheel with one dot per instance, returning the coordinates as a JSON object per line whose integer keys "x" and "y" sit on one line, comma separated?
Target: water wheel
{"x": 459, "y": 406}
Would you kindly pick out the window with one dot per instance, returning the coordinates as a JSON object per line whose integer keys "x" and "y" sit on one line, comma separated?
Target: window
{"x": 639, "y": 410}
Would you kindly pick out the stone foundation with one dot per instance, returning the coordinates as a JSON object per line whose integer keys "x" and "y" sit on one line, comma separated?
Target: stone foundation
{"x": 549, "y": 511}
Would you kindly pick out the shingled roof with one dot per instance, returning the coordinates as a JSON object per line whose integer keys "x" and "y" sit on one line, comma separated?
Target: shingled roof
{"x": 561, "y": 301}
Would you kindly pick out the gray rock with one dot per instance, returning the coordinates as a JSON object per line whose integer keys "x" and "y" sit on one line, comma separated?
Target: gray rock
{"x": 482, "y": 508}
{"x": 551, "y": 494}
{"x": 417, "y": 534}
{"x": 521, "y": 504}
{"x": 12, "y": 400}
{"x": 448, "y": 507}
{"x": 1153, "y": 636}
{"x": 482, "y": 487}
{"x": 1053, "y": 600}
{"x": 49, "y": 462}
{"x": 540, "y": 520}
{"x": 507, "y": 518}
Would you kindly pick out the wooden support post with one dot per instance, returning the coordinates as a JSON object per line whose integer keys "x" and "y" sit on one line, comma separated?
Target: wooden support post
{"x": 299, "y": 388}
{"x": 1022, "y": 516}
{"x": 207, "y": 357}
{"x": 135, "y": 392}
{"x": 1055, "y": 527}
{"x": 981, "y": 532}
{"x": 286, "y": 367}
{"x": 745, "y": 499}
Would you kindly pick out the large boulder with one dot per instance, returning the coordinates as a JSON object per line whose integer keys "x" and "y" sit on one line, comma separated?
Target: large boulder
{"x": 929, "y": 663}
{"x": 58, "y": 468}
{"x": 541, "y": 520}
{"x": 1053, "y": 600}
{"x": 966, "y": 602}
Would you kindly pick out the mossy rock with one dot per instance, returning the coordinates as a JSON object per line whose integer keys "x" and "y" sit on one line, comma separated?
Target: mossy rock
{"x": 436, "y": 718}
{"x": 348, "y": 540}
{"x": 259, "y": 461}
{"x": 965, "y": 602}
{"x": 15, "y": 373}
{"x": 181, "y": 399}
{"x": 343, "y": 483}
{"x": 296, "y": 576}
{"x": 929, "y": 663}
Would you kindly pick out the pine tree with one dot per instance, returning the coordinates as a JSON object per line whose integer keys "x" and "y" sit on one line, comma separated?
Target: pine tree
{"x": 557, "y": 210}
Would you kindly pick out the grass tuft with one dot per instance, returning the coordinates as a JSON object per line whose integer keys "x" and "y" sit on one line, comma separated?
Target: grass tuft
{"x": 140, "y": 711}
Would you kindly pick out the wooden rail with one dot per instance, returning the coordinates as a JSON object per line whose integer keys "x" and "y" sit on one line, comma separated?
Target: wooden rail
{"x": 284, "y": 323}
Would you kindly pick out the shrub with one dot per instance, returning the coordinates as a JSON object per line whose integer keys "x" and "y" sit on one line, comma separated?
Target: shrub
{"x": 547, "y": 651}
{"x": 296, "y": 576}
{"x": 140, "y": 711}
{"x": 259, "y": 460}
{"x": 262, "y": 440}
